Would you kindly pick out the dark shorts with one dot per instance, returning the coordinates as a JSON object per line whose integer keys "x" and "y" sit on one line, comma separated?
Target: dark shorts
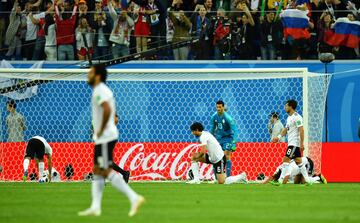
{"x": 35, "y": 148}
{"x": 219, "y": 167}
{"x": 103, "y": 154}
{"x": 293, "y": 152}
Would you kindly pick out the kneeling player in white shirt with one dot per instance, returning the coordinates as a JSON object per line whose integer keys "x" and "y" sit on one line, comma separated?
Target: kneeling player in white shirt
{"x": 211, "y": 153}
{"x": 294, "y": 175}
{"x": 36, "y": 148}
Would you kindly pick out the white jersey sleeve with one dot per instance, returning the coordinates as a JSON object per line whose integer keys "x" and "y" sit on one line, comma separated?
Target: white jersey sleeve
{"x": 298, "y": 121}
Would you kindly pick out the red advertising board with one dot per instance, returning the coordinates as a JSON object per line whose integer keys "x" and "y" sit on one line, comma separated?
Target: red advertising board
{"x": 170, "y": 161}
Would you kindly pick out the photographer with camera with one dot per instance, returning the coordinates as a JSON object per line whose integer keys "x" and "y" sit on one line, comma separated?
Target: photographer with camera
{"x": 102, "y": 27}
{"x": 243, "y": 33}
{"x": 182, "y": 25}
{"x": 221, "y": 31}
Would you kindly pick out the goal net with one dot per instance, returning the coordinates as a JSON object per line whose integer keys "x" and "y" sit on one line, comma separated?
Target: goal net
{"x": 155, "y": 109}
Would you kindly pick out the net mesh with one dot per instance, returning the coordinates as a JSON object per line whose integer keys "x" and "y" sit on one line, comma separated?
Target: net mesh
{"x": 155, "y": 111}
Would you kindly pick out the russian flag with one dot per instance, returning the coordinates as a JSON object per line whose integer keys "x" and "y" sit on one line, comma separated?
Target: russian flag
{"x": 295, "y": 23}
{"x": 347, "y": 33}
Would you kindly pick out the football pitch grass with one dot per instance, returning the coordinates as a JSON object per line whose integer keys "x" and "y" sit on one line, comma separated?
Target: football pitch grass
{"x": 179, "y": 202}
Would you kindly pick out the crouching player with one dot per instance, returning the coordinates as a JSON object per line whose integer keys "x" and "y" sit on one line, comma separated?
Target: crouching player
{"x": 36, "y": 148}
{"x": 294, "y": 175}
{"x": 210, "y": 153}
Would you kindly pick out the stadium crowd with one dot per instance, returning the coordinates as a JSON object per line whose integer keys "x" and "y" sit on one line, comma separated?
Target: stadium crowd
{"x": 226, "y": 29}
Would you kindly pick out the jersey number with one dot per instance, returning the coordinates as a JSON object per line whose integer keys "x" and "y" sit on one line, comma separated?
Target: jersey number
{"x": 219, "y": 126}
{"x": 288, "y": 152}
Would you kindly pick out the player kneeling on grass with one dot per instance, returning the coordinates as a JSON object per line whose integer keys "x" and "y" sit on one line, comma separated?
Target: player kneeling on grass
{"x": 211, "y": 153}
{"x": 36, "y": 148}
{"x": 294, "y": 175}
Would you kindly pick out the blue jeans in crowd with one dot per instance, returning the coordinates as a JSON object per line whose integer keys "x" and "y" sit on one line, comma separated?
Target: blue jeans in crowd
{"x": 268, "y": 52}
{"x": 101, "y": 53}
{"x": 119, "y": 50}
{"x": 66, "y": 51}
{"x": 39, "y": 48}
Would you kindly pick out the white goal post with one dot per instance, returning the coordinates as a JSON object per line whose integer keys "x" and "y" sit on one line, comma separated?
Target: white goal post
{"x": 186, "y": 95}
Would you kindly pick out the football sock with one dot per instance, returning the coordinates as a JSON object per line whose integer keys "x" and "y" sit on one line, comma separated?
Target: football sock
{"x": 118, "y": 182}
{"x": 26, "y": 164}
{"x": 228, "y": 168}
{"x": 195, "y": 170}
{"x": 41, "y": 169}
{"x": 97, "y": 187}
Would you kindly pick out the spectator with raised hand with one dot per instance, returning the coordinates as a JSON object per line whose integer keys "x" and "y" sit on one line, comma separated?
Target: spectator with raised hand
{"x": 142, "y": 25}
{"x": 102, "y": 27}
{"x": 65, "y": 31}
{"x": 244, "y": 34}
{"x": 155, "y": 24}
{"x": 221, "y": 31}
{"x": 83, "y": 12}
{"x": 201, "y": 29}
{"x": 84, "y": 40}
{"x": 120, "y": 34}
{"x": 40, "y": 39}
{"x": 274, "y": 4}
{"x": 352, "y": 7}
{"x": 335, "y": 7}
{"x": 182, "y": 25}
{"x": 324, "y": 26}
{"x": 16, "y": 28}
{"x": 32, "y": 19}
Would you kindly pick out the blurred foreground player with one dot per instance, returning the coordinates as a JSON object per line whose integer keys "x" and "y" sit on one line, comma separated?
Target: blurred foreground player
{"x": 105, "y": 137}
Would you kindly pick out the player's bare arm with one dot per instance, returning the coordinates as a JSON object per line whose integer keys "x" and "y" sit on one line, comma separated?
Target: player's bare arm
{"x": 301, "y": 131}
{"x": 200, "y": 156}
{"x": 283, "y": 133}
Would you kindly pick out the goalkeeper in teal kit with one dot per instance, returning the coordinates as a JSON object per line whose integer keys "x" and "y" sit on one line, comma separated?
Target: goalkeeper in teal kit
{"x": 223, "y": 127}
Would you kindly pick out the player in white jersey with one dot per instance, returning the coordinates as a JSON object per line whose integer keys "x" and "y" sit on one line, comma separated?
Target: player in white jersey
{"x": 295, "y": 130}
{"x": 210, "y": 153}
{"x": 36, "y": 148}
{"x": 294, "y": 175}
{"x": 105, "y": 137}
